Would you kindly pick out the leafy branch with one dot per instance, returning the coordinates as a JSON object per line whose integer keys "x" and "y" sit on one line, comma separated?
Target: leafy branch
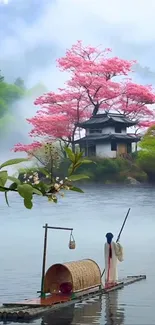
{"x": 50, "y": 190}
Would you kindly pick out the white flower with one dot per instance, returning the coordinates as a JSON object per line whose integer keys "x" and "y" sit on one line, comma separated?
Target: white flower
{"x": 61, "y": 182}
{"x": 35, "y": 178}
{"x": 57, "y": 178}
{"x": 30, "y": 177}
{"x": 36, "y": 182}
{"x": 56, "y": 186}
{"x": 66, "y": 177}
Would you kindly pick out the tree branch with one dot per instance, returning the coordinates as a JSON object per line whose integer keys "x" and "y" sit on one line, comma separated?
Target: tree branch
{"x": 6, "y": 189}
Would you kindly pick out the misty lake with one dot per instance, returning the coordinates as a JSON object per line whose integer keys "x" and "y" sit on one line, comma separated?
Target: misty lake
{"x": 92, "y": 214}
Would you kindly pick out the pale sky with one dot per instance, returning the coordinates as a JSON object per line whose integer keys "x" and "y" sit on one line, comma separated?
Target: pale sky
{"x": 33, "y": 33}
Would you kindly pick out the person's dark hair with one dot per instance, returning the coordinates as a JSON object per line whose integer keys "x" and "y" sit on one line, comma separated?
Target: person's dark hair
{"x": 109, "y": 237}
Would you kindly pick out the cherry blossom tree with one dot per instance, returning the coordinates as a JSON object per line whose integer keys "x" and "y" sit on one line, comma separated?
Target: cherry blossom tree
{"x": 59, "y": 115}
{"x": 98, "y": 82}
{"x": 95, "y": 73}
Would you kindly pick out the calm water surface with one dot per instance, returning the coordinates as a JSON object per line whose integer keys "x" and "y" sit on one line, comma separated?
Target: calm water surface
{"x": 99, "y": 210}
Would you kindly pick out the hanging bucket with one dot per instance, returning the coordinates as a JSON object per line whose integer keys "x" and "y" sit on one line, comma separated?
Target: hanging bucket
{"x": 72, "y": 244}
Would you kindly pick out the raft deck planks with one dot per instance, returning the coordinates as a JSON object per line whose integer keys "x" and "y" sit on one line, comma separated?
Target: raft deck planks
{"x": 31, "y": 309}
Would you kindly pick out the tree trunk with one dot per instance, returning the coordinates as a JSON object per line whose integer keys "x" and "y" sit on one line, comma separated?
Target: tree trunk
{"x": 73, "y": 146}
{"x": 72, "y": 142}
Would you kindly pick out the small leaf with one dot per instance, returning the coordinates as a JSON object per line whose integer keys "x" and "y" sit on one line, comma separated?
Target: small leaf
{"x": 77, "y": 177}
{"x": 6, "y": 198}
{"x": 25, "y": 190}
{"x": 3, "y": 177}
{"x": 14, "y": 179}
{"x": 80, "y": 154}
{"x": 70, "y": 154}
{"x": 13, "y": 186}
{"x": 70, "y": 169}
{"x": 28, "y": 203}
{"x": 13, "y": 162}
{"x": 76, "y": 189}
{"x": 86, "y": 161}
{"x": 36, "y": 191}
{"x": 77, "y": 165}
{"x": 42, "y": 187}
{"x": 44, "y": 171}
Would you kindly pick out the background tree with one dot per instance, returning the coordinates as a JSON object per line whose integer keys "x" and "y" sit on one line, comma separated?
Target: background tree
{"x": 1, "y": 77}
{"x": 146, "y": 156}
{"x": 36, "y": 90}
{"x": 8, "y": 95}
{"x": 20, "y": 83}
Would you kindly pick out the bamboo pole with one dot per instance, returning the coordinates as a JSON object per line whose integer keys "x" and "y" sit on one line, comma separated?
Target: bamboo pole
{"x": 44, "y": 261}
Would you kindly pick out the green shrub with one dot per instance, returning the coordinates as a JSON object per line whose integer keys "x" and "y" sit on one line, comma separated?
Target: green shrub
{"x": 146, "y": 161}
{"x": 107, "y": 170}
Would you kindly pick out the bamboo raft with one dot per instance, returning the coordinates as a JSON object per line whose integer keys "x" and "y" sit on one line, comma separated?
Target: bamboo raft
{"x": 32, "y": 309}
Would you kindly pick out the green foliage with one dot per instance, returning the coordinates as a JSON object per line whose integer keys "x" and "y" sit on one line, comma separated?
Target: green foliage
{"x": 38, "y": 187}
{"x": 77, "y": 161}
{"x": 14, "y": 180}
{"x": 77, "y": 177}
{"x": 13, "y": 162}
{"x": 36, "y": 91}
{"x": 3, "y": 107}
{"x": 6, "y": 120}
{"x": 148, "y": 141}
{"x": 76, "y": 189}
{"x": 3, "y": 177}
{"x": 9, "y": 93}
{"x": 146, "y": 156}
{"x": 106, "y": 170}
{"x": 1, "y": 77}
{"x": 146, "y": 161}
{"x": 26, "y": 191}
{"x": 103, "y": 170}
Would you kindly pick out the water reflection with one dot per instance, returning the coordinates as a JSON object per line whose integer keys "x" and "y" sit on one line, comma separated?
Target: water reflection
{"x": 88, "y": 313}
{"x": 114, "y": 314}
{"x": 102, "y": 310}
{"x": 84, "y": 313}
{"x": 59, "y": 317}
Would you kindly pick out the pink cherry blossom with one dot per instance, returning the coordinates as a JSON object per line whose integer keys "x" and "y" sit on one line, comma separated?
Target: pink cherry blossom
{"x": 98, "y": 82}
{"x": 27, "y": 147}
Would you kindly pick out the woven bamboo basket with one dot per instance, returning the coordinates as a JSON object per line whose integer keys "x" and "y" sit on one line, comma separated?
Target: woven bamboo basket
{"x": 83, "y": 275}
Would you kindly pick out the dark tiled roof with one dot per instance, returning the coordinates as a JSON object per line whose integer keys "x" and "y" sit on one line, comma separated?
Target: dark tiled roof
{"x": 107, "y": 119}
{"x": 105, "y": 137}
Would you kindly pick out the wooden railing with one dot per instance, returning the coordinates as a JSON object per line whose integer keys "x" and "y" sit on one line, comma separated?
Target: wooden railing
{"x": 126, "y": 156}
